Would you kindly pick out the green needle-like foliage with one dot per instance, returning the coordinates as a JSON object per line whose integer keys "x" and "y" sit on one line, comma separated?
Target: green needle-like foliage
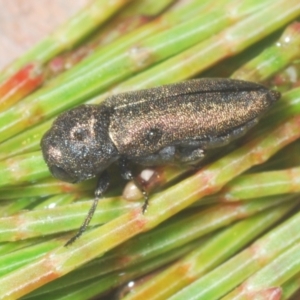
{"x": 208, "y": 233}
{"x": 209, "y": 255}
{"x": 222, "y": 279}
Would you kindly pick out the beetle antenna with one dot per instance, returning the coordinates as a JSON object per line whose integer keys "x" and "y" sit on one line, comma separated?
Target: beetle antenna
{"x": 102, "y": 185}
{"x": 85, "y": 223}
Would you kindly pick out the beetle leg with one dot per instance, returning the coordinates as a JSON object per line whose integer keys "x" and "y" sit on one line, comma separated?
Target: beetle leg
{"x": 126, "y": 173}
{"x": 102, "y": 185}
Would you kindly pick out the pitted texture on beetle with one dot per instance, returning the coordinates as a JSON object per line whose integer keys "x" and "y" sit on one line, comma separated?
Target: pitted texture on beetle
{"x": 189, "y": 113}
{"x": 78, "y": 143}
{"x": 172, "y": 123}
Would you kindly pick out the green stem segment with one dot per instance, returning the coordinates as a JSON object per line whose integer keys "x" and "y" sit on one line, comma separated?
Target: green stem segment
{"x": 227, "y": 276}
{"x": 208, "y": 256}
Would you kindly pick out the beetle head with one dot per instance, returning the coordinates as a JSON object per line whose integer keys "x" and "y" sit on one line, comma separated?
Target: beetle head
{"x": 78, "y": 147}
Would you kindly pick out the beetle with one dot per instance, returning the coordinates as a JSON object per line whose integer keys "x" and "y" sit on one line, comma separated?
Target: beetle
{"x": 176, "y": 123}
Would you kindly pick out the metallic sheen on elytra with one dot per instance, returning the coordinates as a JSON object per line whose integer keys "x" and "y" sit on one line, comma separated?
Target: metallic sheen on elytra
{"x": 170, "y": 124}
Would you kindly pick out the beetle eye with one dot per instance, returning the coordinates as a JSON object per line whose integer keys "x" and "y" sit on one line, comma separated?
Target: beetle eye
{"x": 61, "y": 174}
